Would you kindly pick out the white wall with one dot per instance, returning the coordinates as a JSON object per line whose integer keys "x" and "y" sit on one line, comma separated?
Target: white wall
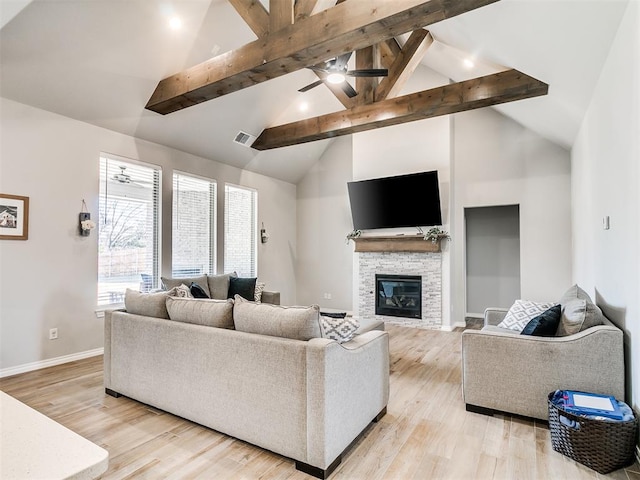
{"x": 50, "y": 280}
{"x": 496, "y": 161}
{"x": 324, "y": 219}
{"x": 606, "y": 180}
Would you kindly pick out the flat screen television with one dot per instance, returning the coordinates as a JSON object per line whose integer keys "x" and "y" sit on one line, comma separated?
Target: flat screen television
{"x": 401, "y": 201}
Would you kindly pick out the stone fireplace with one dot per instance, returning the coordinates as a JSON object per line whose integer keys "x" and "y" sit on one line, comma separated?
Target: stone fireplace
{"x": 401, "y": 269}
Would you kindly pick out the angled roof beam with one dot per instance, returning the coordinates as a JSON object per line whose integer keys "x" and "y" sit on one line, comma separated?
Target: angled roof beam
{"x": 404, "y": 65}
{"x": 389, "y": 50}
{"x": 346, "y": 27}
{"x": 502, "y": 87}
{"x": 254, "y": 15}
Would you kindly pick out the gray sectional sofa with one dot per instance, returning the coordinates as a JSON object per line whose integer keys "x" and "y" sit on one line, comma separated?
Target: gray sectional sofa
{"x": 304, "y": 398}
{"x": 506, "y": 371}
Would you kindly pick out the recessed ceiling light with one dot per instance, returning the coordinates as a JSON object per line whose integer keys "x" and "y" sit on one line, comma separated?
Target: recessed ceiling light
{"x": 469, "y": 63}
{"x": 303, "y": 106}
{"x": 175, "y": 23}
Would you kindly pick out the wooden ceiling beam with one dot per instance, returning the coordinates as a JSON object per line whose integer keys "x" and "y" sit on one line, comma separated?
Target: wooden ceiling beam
{"x": 346, "y": 27}
{"x": 507, "y": 86}
{"x": 303, "y": 8}
{"x": 254, "y": 15}
{"x": 281, "y": 14}
{"x": 405, "y": 64}
{"x": 366, "y": 58}
{"x": 389, "y": 50}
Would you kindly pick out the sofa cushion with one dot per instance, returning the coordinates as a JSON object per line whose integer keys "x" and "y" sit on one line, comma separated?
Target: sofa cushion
{"x": 243, "y": 286}
{"x": 578, "y": 312}
{"x": 147, "y": 304}
{"x": 545, "y": 324}
{"x": 340, "y": 329}
{"x": 201, "y": 311}
{"x": 521, "y": 312}
{"x": 300, "y": 323}
{"x": 219, "y": 285}
{"x": 168, "y": 283}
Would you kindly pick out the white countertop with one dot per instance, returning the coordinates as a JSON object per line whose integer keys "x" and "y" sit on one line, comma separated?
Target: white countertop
{"x": 32, "y": 446}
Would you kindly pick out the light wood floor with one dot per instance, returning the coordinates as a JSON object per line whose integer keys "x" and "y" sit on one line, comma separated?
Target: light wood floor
{"x": 426, "y": 434}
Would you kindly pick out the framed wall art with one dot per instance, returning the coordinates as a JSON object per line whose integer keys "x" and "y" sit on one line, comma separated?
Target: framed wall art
{"x": 14, "y": 217}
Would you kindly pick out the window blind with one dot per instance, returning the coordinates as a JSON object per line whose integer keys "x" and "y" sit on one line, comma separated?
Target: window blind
{"x": 128, "y": 228}
{"x": 240, "y": 230}
{"x": 193, "y": 225}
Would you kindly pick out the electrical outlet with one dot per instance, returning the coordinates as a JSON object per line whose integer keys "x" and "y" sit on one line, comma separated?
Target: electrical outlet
{"x": 53, "y": 333}
{"x": 99, "y": 313}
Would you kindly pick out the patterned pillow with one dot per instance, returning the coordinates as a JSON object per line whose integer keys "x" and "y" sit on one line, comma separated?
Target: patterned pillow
{"x": 339, "y": 329}
{"x": 181, "y": 291}
{"x": 258, "y": 292}
{"x": 521, "y": 312}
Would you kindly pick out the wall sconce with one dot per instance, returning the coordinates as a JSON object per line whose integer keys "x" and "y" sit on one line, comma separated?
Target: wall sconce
{"x": 264, "y": 236}
{"x": 84, "y": 221}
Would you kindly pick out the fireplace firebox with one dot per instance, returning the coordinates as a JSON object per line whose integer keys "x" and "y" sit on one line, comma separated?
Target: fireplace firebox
{"x": 399, "y": 295}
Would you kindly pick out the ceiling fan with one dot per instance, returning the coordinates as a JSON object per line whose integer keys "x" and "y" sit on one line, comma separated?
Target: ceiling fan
{"x": 335, "y": 72}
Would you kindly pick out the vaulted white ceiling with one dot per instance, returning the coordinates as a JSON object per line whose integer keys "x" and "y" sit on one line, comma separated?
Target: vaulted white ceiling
{"x": 99, "y": 61}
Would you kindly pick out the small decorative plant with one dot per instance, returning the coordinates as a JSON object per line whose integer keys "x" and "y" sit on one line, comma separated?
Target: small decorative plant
{"x": 353, "y": 234}
{"x": 435, "y": 234}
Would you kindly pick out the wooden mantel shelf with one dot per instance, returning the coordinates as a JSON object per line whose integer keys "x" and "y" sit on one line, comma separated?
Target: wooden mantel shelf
{"x": 397, "y": 243}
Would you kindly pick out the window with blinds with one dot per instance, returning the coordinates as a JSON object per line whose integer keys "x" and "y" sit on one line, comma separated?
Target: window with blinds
{"x": 240, "y": 230}
{"x": 128, "y": 228}
{"x": 193, "y": 225}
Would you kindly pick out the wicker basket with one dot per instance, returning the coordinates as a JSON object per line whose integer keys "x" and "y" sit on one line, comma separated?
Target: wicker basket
{"x": 602, "y": 445}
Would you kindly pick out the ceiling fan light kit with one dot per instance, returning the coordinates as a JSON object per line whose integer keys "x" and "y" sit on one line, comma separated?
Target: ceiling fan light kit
{"x": 336, "y": 78}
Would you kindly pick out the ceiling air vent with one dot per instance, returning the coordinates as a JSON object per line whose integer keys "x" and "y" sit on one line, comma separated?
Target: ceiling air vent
{"x": 245, "y": 139}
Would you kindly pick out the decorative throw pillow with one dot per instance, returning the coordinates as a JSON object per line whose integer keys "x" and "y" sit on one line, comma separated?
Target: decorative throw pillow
{"x": 201, "y": 311}
{"x": 147, "y": 304}
{"x": 545, "y": 324}
{"x": 578, "y": 312}
{"x": 258, "y": 292}
{"x": 521, "y": 312}
{"x": 181, "y": 291}
{"x": 219, "y": 285}
{"x": 299, "y": 323}
{"x": 340, "y": 329}
{"x": 243, "y": 286}
{"x": 197, "y": 291}
{"x": 169, "y": 283}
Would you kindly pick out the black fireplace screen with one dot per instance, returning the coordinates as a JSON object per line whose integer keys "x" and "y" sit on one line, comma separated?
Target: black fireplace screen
{"x": 399, "y": 295}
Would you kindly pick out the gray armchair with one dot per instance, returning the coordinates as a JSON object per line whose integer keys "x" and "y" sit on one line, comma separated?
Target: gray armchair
{"x": 508, "y": 372}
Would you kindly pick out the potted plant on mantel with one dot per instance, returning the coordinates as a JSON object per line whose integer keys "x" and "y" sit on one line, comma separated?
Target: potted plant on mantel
{"x": 435, "y": 234}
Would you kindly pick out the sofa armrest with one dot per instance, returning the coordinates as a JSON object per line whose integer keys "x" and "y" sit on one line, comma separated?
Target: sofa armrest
{"x": 107, "y": 346}
{"x": 493, "y": 316}
{"x": 515, "y": 373}
{"x": 347, "y": 387}
{"x": 271, "y": 297}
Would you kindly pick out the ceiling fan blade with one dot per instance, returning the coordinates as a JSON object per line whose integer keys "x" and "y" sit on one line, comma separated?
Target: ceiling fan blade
{"x": 348, "y": 89}
{"x": 369, "y": 72}
{"x": 311, "y": 85}
{"x": 342, "y": 60}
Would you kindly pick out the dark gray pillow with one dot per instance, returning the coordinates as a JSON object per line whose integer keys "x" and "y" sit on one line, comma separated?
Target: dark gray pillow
{"x": 197, "y": 291}
{"x": 545, "y": 324}
{"x": 243, "y": 286}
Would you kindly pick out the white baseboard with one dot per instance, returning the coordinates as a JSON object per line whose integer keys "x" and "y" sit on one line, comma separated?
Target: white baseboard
{"x": 475, "y": 315}
{"x": 450, "y": 328}
{"x": 30, "y": 367}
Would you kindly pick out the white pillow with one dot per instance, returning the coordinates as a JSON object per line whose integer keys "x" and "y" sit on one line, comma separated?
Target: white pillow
{"x": 257, "y": 296}
{"x": 180, "y": 291}
{"x": 339, "y": 329}
{"x": 521, "y": 312}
